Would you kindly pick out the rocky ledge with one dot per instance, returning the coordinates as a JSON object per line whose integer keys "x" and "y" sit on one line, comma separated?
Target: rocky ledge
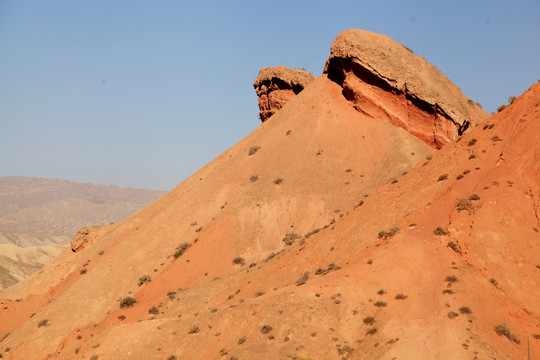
{"x": 369, "y": 66}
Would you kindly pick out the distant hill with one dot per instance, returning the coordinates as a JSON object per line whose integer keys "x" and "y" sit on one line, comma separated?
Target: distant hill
{"x": 38, "y": 217}
{"x": 36, "y": 211}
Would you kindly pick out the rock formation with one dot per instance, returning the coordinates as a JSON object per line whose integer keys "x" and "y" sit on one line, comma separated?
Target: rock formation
{"x": 428, "y": 104}
{"x": 276, "y": 86}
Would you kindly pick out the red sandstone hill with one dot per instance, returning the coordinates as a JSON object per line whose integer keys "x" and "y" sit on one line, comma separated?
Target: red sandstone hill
{"x": 327, "y": 233}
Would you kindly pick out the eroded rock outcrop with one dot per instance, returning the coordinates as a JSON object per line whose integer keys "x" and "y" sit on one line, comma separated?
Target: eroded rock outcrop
{"x": 276, "y": 86}
{"x": 369, "y": 66}
{"x": 84, "y": 238}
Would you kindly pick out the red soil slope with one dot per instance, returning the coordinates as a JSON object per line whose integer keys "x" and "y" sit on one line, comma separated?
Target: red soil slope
{"x": 365, "y": 277}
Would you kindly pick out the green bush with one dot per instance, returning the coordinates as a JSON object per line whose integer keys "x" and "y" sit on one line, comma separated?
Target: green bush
{"x": 128, "y": 301}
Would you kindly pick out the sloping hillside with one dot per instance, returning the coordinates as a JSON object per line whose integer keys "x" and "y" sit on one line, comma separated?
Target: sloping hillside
{"x": 325, "y": 234}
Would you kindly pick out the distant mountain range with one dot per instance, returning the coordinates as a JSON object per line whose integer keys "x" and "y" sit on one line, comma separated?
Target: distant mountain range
{"x": 36, "y": 211}
{"x": 39, "y": 216}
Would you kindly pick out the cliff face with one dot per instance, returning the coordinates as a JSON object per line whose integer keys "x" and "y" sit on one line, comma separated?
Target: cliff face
{"x": 426, "y": 103}
{"x": 276, "y": 86}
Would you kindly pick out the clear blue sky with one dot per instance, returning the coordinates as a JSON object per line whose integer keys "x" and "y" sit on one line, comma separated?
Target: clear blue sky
{"x": 143, "y": 93}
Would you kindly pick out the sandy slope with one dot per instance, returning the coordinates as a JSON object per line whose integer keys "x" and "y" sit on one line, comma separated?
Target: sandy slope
{"x": 208, "y": 307}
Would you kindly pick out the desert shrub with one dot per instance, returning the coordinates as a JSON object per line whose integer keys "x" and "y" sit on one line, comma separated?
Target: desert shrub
{"x": 278, "y": 181}
{"x": 242, "y": 340}
{"x": 42, "y": 323}
{"x": 94, "y": 357}
{"x": 496, "y": 138}
{"x": 254, "y": 178}
{"x": 266, "y": 329}
{"x": 369, "y": 320}
{"x": 380, "y": 304}
{"x": 502, "y": 329}
{"x": 459, "y": 177}
{"x": 452, "y": 314}
{"x": 171, "y": 294}
{"x": 83, "y": 271}
{"x": 381, "y": 292}
{"x": 464, "y": 204}
{"x": 439, "y": 231}
{"x": 270, "y": 257}
{"x": 289, "y": 238}
{"x": 407, "y": 48}
{"x": 153, "y": 310}
{"x": 474, "y": 197}
{"x": 331, "y": 267}
{"x": 401, "y": 296}
{"x": 388, "y": 234}
{"x": 494, "y": 282}
{"x": 472, "y": 142}
{"x": 501, "y": 108}
{"x": 371, "y": 331}
{"x": 128, "y": 301}
{"x": 172, "y": 357}
{"x": 314, "y": 231}
{"x": 345, "y": 350}
{"x": 122, "y": 317}
{"x": 472, "y": 156}
{"x": 303, "y": 279}
{"x": 238, "y": 261}
{"x": 443, "y": 177}
{"x": 253, "y": 150}
{"x": 194, "y": 329}
{"x": 259, "y": 293}
{"x": 511, "y": 99}
{"x": 452, "y": 245}
{"x": 451, "y": 279}
{"x": 465, "y": 172}
{"x": 448, "y": 291}
{"x": 143, "y": 279}
{"x": 180, "y": 250}
{"x": 465, "y": 310}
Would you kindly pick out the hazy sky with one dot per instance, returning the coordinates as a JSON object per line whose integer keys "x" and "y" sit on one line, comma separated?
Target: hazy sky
{"x": 143, "y": 93}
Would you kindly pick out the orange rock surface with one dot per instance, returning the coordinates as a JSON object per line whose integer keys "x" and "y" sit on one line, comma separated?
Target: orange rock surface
{"x": 369, "y": 66}
{"x": 324, "y": 234}
{"x": 276, "y": 86}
